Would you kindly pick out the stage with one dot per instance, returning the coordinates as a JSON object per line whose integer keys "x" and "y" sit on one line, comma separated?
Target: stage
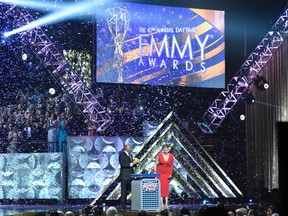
{"x": 110, "y": 90}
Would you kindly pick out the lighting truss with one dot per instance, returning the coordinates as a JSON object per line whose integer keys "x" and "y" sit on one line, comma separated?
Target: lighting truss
{"x": 245, "y": 76}
{"x": 58, "y": 66}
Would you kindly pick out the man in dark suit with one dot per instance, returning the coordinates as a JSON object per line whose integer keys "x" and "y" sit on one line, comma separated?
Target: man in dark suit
{"x": 127, "y": 164}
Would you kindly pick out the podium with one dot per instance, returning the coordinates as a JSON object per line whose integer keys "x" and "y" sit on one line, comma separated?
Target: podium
{"x": 145, "y": 192}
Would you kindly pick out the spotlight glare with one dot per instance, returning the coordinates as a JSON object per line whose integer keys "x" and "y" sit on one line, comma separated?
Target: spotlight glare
{"x": 242, "y": 117}
{"x": 24, "y": 56}
{"x": 6, "y": 34}
{"x": 266, "y": 86}
{"x": 32, "y": 4}
{"x": 2, "y": 41}
{"x": 52, "y": 91}
{"x": 70, "y": 11}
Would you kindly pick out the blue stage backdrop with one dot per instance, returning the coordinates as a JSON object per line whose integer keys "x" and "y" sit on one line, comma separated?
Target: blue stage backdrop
{"x": 160, "y": 45}
{"x": 94, "y": 164}
{"x": 31, "y": 176}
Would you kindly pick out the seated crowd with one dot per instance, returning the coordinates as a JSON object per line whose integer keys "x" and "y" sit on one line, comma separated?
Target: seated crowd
{"x": 203, "y": 210}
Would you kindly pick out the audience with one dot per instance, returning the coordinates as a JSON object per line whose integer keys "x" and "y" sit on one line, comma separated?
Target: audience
{"x": 86, "y": 210}
{"x": 213, "y": 211}
{"x": 35, "y": 120}
{"x": 241, "y": 212}
{"x": 69, "y": 213}
{"x": 231, "y": 213}
{"x": 184, "y": 211}
{"x": 141, "y": 213}
{"x": 97, "y": 211}
{"x": 31, "y": 124}
{"x": 111, "y": 211}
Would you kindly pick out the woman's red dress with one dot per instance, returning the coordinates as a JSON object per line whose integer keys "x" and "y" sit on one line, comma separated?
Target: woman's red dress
{"x": 165, "y": 169}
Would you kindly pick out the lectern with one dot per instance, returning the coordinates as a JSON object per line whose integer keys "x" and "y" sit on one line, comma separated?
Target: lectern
{"x": 145, "y": 192}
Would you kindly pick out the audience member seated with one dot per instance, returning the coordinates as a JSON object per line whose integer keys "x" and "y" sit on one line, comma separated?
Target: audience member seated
{"x": 184, "y": 211}
{"x": 86, "y": 210}
{"x": 213, "y": 211}
{"x": 231, "y": 213}
{"x": 97, "y": 211}
{"x": 111, "y": 211}
{"x": 164, "y": 212}
{"x": 69, "y": 213}
{"x": 241, "y": 212}
{"x": 141, "y": 213}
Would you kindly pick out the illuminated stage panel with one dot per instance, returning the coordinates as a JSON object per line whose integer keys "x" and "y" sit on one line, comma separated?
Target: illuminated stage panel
{"x": 31, "y": 176}
{"x": 160, "y": 45}
{"x": 93, "y": 163}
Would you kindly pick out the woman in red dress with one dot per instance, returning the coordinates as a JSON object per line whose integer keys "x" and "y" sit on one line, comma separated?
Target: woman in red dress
{"x": 164, "y": 167}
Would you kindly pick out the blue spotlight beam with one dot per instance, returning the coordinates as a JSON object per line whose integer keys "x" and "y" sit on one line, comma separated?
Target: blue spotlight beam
{"x": 39, "y": 5}
{"x": 67, "y": 12}
{"x": 59, "y": 68}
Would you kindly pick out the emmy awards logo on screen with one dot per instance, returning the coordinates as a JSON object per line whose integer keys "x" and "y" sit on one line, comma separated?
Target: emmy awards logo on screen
{"x": 118, "y": 20}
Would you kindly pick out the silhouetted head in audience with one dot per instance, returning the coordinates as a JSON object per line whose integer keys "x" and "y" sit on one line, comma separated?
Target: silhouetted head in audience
{"x": 215, "y": 211}
{"x": 164, "y": 212}
{"x": 202, "y": 209}
{"x": 220, "y": 204}
{"x": 97, "y": 211}
{"x": 86, "y": 210}
{"x": 184, "y": 211}
{"x": 69, "y": 213}
{"x": 141, "y": 213}
{"x": 111, "y": 211}
{"x": 54, "y": 213}
{"x": 241, "y": 212}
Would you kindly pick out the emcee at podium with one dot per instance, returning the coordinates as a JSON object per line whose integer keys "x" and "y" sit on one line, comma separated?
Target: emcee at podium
{"x": 127, "y": 164}
{"x": 164, "y": 165}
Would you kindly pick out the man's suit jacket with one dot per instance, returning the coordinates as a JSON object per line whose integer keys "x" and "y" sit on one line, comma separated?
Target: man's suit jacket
{"x": 125, "y": 169}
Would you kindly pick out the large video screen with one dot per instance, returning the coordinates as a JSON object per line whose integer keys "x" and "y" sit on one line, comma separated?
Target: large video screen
{"x": 160, "y": 45}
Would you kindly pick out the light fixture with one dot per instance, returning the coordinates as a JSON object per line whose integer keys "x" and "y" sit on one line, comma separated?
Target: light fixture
{"x": 261, "y": 83}
{"x": 68, "y": 12}
{"x": 242, "y": 117}
{"x": 52, "y": 91}
{"x": 24, "y": 56}
{"x": 2, "y": 39}
{"x": 250, "y": 99}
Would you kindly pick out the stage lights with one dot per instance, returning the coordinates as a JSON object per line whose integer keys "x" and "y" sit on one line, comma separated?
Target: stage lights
{"x": 2, "y": 41}
{"x": 261, "y": 83}
{"x": 68, "y": 12}
{"x": 250, "y": 99}
{"x": 24, "y": 56}
{"x": 52, "y": 91}
{"x": 40, "y": 5}
{"x": 242, "y": 117}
